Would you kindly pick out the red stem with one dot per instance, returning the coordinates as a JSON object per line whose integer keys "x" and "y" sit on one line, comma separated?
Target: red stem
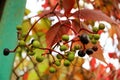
{"x": 83, "y": 29}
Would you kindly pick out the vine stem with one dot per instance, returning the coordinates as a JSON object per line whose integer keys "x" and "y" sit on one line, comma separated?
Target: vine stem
{"x": 38, "y": 20}
{"x": 83, "y": 29}
{"x": 70, "y": 28}
{"x": 51, "y": 51}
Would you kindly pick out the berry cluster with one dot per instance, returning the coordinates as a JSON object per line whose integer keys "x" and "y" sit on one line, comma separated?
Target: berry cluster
{"x": 67, "y": 51}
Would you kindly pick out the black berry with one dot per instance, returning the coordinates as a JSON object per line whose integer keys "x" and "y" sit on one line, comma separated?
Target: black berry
{"x": 89, "y": 51}
{"x": 84, "y": 38}
{"x": 95, "y": 48}
{"x": 6, "y": 51}
{"x": 81, "y": 53}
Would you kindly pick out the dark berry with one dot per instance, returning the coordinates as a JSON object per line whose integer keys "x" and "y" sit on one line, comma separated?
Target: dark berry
{"x": 6, "y": 51}
{"x": 84, "y": 38}
{"x": 81, "y": 53}
{"x": 95, "y": 48}
{"x": 89, "y": 51}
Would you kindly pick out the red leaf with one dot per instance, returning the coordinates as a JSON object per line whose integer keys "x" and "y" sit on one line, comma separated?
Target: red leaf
{"x": 97, "y": 54}
{"x": 92, "y": 64}
{"x": 25, "y": 76}
{"x": 55, "y": 33}
{"x": 47, "y": 13}
{"x": 96, "y": 15}
{"x": 113, "y": 55}
{"x": 76, "y": 26}
{"x": 68, "y": 5}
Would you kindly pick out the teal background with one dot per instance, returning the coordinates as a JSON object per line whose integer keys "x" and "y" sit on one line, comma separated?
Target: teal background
{"x": 12, "y": 16}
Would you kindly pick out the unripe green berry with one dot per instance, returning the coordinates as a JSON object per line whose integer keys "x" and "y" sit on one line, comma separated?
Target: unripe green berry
{"x": 76, "y": 47}
{"x": 57, "y": 63}
{"x": 36, "y": 44}
{"x": 59, "y": 56}
{"x": 21, "y": 43}
{"x": 63, "y": 47}
{"x": 71, "y": 56}
{"x": 65, "y": 37}
{"x": 93, "y": 41}
{"x": 39, "y": 58}
{"x": 66, "y": 63}
{"x": 18, "y": 50}
{"x": 31, "y": 53}
{"x": 96, "y": 36}
{"x": 19, "y": 27}
{"x": 95, "y": 29}
{"x": 90, "y": 36}
{"x": 101, "y": 26}
{"x": 52, "y": 70}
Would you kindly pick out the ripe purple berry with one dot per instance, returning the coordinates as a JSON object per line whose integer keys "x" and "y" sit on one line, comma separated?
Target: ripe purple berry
{"x": 6, "y": 51}
{"x": 95, "y": 48}
{"x": 81, "y": 53}
{"x": 84, "y": 38}
{"x": 89, "y": 51}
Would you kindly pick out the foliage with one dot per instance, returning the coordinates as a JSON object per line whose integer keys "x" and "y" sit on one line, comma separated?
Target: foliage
{"x": 47, "y": 55}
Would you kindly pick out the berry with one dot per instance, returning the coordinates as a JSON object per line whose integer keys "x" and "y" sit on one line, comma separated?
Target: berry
{"x": 96, "y": 36}
{"x": 95, "y": 29}
{"x": 101, "y": 26}
{"x": 21, "y": 43}
{"x": 95, "y": 48}
{"x": 39, "y": 58}
{"x": 66, "y": 63}
{"x": 81, "y": 53}
{"x": 18, "y": 50}
{"x": 76, "y": 47}
{"x": 71, "y": 56}
{"x": 57, "y": 63}
{"x": 59, "y": 56}
{"x": 84, "y": 39}
{"x": 6, "y": 51}
{"x": 52, "y": 70}
{"x": 65, "y": 37}
{"x": 89, "y": 51}
{"x": 63, "y": 48}
{"x": 100, "y": 32}
{"x": 90, "y": 36}
{"x": 31, "y": 53}
{"x": 19, "y": 27}
{"x": 94, "y": 41}
{"x": 36, "y": 44}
